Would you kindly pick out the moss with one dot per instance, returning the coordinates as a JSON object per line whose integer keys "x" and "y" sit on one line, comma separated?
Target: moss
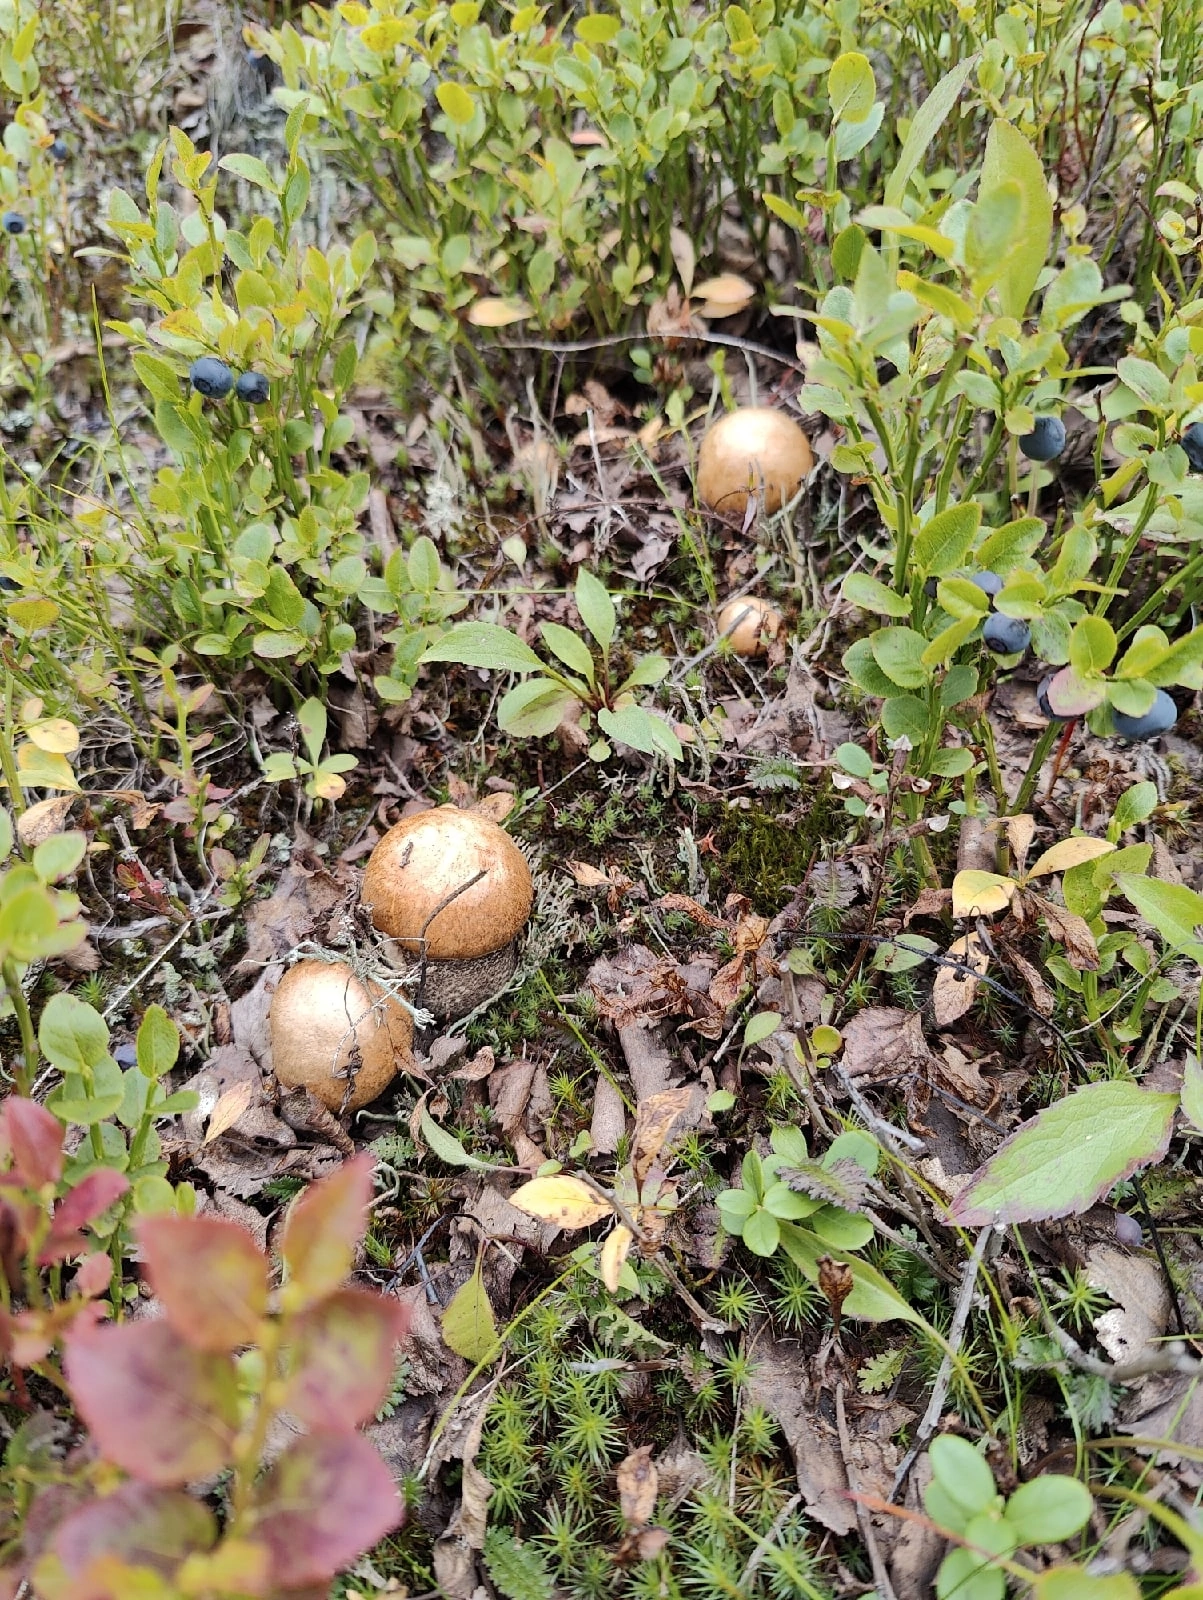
{"x": 764, "y": 853}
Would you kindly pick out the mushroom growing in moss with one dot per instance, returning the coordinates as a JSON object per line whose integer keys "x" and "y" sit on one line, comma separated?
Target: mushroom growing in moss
{"x": 748, "y": 623}
{"x": 452, "y": 888}
{"x": 755, "y": 451}
{"x": 336, "y": 1035}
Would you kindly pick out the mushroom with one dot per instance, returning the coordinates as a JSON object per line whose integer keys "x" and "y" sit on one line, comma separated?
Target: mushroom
{"x": 755, "y": 451}
{"x": 452, "y": 889}
{"x": 747, "y": 623}
{"x": 342, "y": 1038}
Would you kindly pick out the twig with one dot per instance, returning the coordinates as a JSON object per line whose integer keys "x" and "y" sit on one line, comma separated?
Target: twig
{"x": 1171, "y": 1357}
{"x": 960, "y": 1316}
{"x": 886, "y": 1133}
{"x": 570, "y": 347}
{"x": 881, "y": 1577}
{"x": 766, "y": 1542}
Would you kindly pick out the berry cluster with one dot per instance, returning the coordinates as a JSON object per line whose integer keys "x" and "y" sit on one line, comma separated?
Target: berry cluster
{"x": 212, "y": 378}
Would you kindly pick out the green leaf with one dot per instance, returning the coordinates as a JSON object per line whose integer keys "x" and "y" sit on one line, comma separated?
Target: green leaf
{"x": 1145, "y": 380}
{"x": 469, "y": 1327}
{"x": 873, "y": 1298}
{"x": 596, "y": 608}
{"x": 761, "y": 1026}
{"x": 762, "y": 1232}
{"x": 911, "y": 950}
{"x": 534, "y": 709}
{"x": 1173, "y": 909}
{"x": 899, "y": 654}
{"x": 851, "y": 87}
{"x": 1068, "y": 1155}
{"x": 277, "y": 644}
{"x": 483, "y": 644}
{"x": 1091, "y": 646}
{"x": 73, "y": 1037}
{"x": 1004, "y": 547}
{"x": 641, "y": 730}
{"x": 1075, "y": 1583}
{"x": 925, "y": 124}
{"x": 647, "y": 671}
{"x": 859, "y": 663}
{"x": 158, "y": 1043}
{"x": 1049, "y": 1509}
{"x": 870, "y": 595}
{"x": 250, "y": 168}
{"x": 312, "y": 721}
{"x": 6, "y": 835}
{"x": 1010, "y": 158}
{"x": 905, "y": 716}
{"x": 942, "y": 544}
{"x": 447, "y": 1147}
{"x": 962, "y": 1475}
{"x": 569, "y": 648}
{"x": 965, "y": 1575}
{"x": 1192, "y": 1093}
{"x": 600, "y": 28}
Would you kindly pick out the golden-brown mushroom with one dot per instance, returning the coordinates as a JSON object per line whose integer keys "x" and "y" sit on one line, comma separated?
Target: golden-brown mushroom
{"x": 755, "y": 451}
{"x": 341, "y": 1038}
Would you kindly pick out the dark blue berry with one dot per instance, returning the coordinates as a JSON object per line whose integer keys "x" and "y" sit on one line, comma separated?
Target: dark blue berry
{"x": 1192, "y": 443}
{"x": 1046, "y": 440}
{"x": 60, "y": 150}
{"x": 988, "y": 582}
{"x": 210, "y": 377}
{"x": 1159, "y": 718}
{"x": 1006, "y": 636}
{"x": 252, "y": 387}
{"x": 12, "y": 222}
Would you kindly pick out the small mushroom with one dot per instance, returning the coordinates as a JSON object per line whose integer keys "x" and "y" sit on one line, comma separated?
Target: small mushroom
{"x": 756, "y": 451}
{"x": 453, "y": 887}
{"x": 748, "y": 624}
{"x": 341, "y": 1038}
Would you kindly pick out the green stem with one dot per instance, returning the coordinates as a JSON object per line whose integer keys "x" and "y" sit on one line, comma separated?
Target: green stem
{"x": 29, "y": 1043}
{"x": 1032, "y": 776}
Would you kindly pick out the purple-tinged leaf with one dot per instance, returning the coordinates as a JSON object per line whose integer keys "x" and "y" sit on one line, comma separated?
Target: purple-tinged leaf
{"x": 210, "y": 1275}
{"x": 90, "y": 1198}
{"x": 1068, "y": 1155}
{"x": 323, "y": 1228}
{"x": 1071, "y": 696}
{"x": 327, "y": 1500}
{"x": 165, "y": 1412}
{"x": 344, "y": 1359}
{"x": 135, "y": 1525}
{"x": 35, "y": 1139}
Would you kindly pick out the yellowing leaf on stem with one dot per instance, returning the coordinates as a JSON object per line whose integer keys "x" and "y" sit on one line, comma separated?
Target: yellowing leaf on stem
{"x": 614, "y": 1254}
{"x": 567, "y": 1202}
{"x": 981, "y": 893}
{"x": 1070, "y": 853}
{"x": 469, "y": 1326}
{"x": 492, "y": 312}
{"x": 55, "y": 734}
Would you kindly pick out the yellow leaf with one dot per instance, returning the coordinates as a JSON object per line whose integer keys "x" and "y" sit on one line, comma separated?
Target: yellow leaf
{"x": 1070, "y": 853}
{"x": 44, "y": 769}
{"x": 228, "y": 1110}
{"x": 565, "y": 1201}
{"x": 55, "y": 734}
{"x": 329, "y": 786}
{"x": 493, "y": 313}
{"x": 724, "y": 296}
{"x": 613, "y": 1254}
{"x": 980, "y": 893}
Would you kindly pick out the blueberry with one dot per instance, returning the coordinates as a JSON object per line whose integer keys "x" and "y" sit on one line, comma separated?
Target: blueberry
{"x": 1046, "y": 440}
{"x": 210, "y": 377}
{"x": 1192, "y": 443}
{"x": 1006, "y": 636}
{"x": 60, "y": 150}
{"x": 1042, "y": 699}
{"x": 1159, "y": 718}
{"x": 988, "y": 582}
{"x": 12, "y": 222}
{"x": 252, "y": 387}
{"x": 929, "y": 588}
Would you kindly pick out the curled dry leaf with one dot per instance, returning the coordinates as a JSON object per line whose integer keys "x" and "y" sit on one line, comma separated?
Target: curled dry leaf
{"x": 567, "y": 1202}
{"x": 638, "y": 1485}
{"x": 1071, "y": 931}
{"x": 614, "y": 1253}
{"x": 1021, "y": 831}
{"x": 835, "y": 1283}
{"x": 954, "y": 989}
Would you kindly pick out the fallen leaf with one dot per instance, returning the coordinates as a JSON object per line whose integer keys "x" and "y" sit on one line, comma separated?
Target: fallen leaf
{"x": 638, "y": 1485}
{"x": 884, "y": 1042}
{"x": 614, "y": 1253}
{"x": 656, "y": 1120}
{"x": 469, "y": 1326}
{"x": 1142, "y": 1310}
{"x": 43, "y": 819}
{"x": 228, "y": 1109}
{"x": 566, "y": 1201}
{"x": 953, "y": 990}
{"x": 1071, "y": 931}
{"x": 1068, "y": 853}
{"x": 588, "y": 877}
{"x": 724, "y": 296}
{"x": 981, "y": 893}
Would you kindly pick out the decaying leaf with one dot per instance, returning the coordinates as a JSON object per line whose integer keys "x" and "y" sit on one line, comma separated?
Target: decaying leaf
{"x": 638, "y": 1486}
{"x": 835, "y": 1283}
{"x": 954, "y": 989}
{"x": 614, "y": 1253}
{"x": 228, "y": 1109}
{"x": 43, "y": 819}
{"x": 566, "y": 1201}
{"x": 980, "y": 894}
{"x": 1021, "y": 831}
{"x": 1070, "y": 931}
{"x": 658, "y": 1118}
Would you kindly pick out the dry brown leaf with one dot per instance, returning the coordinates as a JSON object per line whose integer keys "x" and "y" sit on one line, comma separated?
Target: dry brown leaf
{"x": 228, "y": 1109}
{"x": 658, "y": 1118}
{"x": 638, "y": 1485}
{"x": 496, "y": 807}
{"x": 884, "y": 1042}
{"x": 43, "y": 819}
{"x": 685, "y": 257}
{"x": 588, "y": 877}
{"x": 835, "y": 1283}
{"x": 1020, "y": 833}
{"x": 1142, "y": 1311}
{"x": 953, "y": 990}
{"x": 724, "y": 296}
{"x": 1038, "y": 991}
{"x": 1070, "y": 931}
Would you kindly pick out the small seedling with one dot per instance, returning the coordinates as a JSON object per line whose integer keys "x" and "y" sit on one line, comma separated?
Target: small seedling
{"x": 321, "y": 773}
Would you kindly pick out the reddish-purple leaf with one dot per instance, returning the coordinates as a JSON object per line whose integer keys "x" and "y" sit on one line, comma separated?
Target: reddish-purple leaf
{"x": 344, "y": 1359}
{"x": 326, "y": 1500}
{"x": 210, "y": 1275}
{"x": 136, "y": 1525}
{"x": 162, "y": 1410}
{"x": 1071, "y": 696}
{"x": 93, "y": 1276}
{"x": 91, "y": 1196}
{"x": 324, "y": 1225}
{"x": 35, "y": 1138}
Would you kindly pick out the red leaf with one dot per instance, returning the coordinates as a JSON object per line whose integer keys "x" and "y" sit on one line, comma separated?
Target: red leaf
{"x": 136, "y": 1526}
{"x": 155, "y": 1406}
{"x": 323, "y": 1227}
{"x": 327, "y": 1500}
{"x": 35, "y": 1138}
{"x": 345, "y": 1359}
{"x": 90, "y": 1197}
{"x": 210, "y": 1275}
{"x": 94, "y": 1275}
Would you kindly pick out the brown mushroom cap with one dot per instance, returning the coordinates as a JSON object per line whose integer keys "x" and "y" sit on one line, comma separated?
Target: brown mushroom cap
{"x": 751, "y": 620}
{"x": 321, "y": 1015}
{"x": 423, "y": 860}
{"x": 755, "y": 451}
